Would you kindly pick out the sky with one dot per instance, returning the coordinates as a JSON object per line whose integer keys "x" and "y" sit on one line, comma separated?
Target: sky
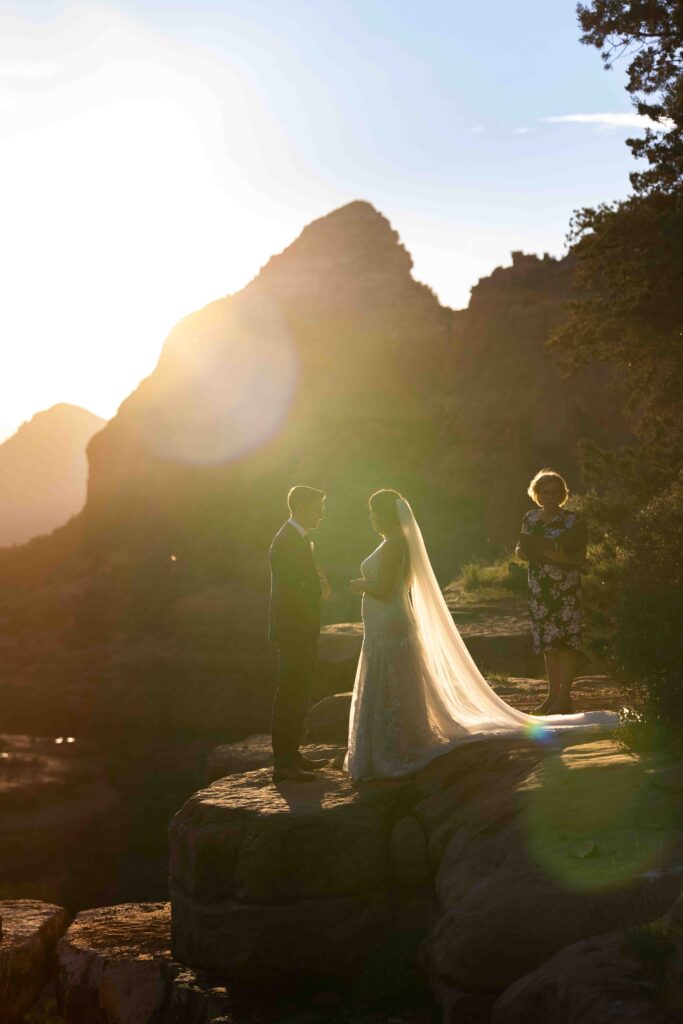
{"x": 155, "y": 153}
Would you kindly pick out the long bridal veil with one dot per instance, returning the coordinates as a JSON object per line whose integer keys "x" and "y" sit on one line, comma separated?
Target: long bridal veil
{"x": 456, "y": 691}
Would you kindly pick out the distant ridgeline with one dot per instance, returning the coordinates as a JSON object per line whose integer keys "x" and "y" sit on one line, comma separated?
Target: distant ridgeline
{"x": 334, "y": 367}
{"x": 43, "y": 471}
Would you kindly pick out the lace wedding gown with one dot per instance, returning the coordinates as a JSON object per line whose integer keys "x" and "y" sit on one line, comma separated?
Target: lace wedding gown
{"x": 418, "y": 693}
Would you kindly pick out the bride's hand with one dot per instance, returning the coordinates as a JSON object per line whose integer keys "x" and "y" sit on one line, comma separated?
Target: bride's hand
{"x": 357, "y": 586}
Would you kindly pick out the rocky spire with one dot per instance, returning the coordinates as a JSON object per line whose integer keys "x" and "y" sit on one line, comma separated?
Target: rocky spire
{"x": 353, "y": 245}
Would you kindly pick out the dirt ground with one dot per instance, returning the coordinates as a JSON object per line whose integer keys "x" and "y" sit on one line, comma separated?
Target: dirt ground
{"x": 589, "y": 693}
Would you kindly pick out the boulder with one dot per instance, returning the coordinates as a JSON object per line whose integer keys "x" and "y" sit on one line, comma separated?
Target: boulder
{"x": 56, "y": 787}
{"x": 253, "y": 865}
{"x": 115, "y": 967}
{"x": 31, "y": 929}
{"x": 594, "y": 981}
{"x": 255, "y": 752}
{"x": 459, "y": 1007}
{"x": 246, "y": 839}
{"x": 533, "y": 843}
{"x": 325, "y": 939}
{"x": 631, "y": 976}
{"x": 409, "y": 851}
{"x": 111, "y": 964}
{"x": 328, "y": 721}
{"x": 539, "y": 847}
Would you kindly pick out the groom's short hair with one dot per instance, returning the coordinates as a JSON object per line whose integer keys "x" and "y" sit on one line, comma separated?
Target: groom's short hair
{"x": 300, "y": 495}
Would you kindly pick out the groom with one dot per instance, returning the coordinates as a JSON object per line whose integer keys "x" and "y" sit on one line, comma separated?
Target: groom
{"x": 297, "y": 588}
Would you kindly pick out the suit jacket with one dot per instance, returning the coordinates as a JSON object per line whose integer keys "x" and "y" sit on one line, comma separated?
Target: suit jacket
{"x": 295, "y": 589}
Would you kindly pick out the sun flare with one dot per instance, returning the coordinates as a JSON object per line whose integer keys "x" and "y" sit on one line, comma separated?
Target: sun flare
{"x": 126, "y": 213}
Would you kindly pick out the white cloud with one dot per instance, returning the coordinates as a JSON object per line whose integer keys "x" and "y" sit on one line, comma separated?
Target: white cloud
{"x": 478, "y": 130}
{"x": 26, "y": 69}
{"x": 522, "y": 131}
{"x": 631, "y": 120}
{"x": 9, "y": 103}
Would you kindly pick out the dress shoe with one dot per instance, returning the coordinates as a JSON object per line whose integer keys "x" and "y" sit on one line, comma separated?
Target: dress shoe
{"x": 312, "y": 764}
{"x": 293, "y": 773}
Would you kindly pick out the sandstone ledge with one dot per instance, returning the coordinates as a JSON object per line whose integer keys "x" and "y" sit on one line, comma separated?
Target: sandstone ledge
{"x": 115, "y": 967}
{"x": 547, "y": 851}
{"x": 513, "y": 848}
{"x": 595, "y": 981}
{"x": 256, "y": 752}
{"x": 31, "y": 929}
{"x": 268, "y": 880}
{"x": 324, "y": 939}
{"x": 247, "y": 839}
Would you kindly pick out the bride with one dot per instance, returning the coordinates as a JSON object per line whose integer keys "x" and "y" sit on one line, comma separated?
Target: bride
{"x": 418, "y": 693}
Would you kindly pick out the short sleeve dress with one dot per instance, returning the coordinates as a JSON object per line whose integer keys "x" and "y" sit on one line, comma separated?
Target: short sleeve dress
{"x": 554, "y": 590}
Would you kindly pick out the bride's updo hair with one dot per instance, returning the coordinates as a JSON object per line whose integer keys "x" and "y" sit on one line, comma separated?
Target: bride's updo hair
{"x": 383, "y": 504}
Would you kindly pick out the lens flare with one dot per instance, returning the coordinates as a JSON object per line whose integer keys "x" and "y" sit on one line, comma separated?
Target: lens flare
{"x": 592, "y": 820}
{"x": 224, "y": 383}
{"x": 536, "y": 731}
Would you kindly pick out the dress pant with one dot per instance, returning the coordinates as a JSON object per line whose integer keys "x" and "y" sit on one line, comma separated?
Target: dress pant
{"x": 297, "y": 663}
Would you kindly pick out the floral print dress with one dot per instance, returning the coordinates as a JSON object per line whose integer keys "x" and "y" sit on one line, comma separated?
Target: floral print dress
{"x": 554, "y": 590}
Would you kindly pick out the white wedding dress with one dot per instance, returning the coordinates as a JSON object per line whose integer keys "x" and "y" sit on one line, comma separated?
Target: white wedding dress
{"x": 418, "y": 693}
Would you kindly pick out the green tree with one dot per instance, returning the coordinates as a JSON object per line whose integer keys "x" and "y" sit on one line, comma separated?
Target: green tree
{"x": 650, "y": 33}
{"x": 629, "y": 314}
{"x": 629, "y": 274}
{"x": 648, "y": 622}
{"x": 629, "y": 264}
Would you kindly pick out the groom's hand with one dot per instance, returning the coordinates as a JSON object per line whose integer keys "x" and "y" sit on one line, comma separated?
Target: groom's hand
{"x": 325, "y": 588}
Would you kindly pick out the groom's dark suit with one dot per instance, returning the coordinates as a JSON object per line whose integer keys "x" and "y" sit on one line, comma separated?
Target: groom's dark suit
{"x": 295, "y": 627}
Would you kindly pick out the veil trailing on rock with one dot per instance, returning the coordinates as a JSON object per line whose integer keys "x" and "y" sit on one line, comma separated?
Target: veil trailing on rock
{"x": 457, "y": 691}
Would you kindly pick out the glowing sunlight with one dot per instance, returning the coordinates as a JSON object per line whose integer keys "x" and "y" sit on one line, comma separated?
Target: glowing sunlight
{"x": 126, "y": 213}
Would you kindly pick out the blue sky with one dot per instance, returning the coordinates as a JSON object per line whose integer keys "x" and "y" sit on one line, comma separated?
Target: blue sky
{"x": 156, "y": 154}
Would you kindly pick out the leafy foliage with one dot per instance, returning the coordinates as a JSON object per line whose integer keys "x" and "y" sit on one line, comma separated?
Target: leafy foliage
{"x": 650, "y": 33}
{"x": 657, "y": 948}
{"x": 507, "y": 573}
{"x": 647, "y": 640}
{"x": 619, "y": 483}
{"x": 629, "y": 271}
{"x": 628, "y": 314}
{"x": 46, "y": 1013}
{"x": 629, "y": 266}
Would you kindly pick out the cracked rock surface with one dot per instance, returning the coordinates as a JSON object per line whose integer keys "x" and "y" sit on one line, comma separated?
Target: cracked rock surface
{"x": 30, "y": 930}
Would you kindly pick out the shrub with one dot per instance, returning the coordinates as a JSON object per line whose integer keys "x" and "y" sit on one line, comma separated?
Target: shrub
{"x": 44, "y": 1013}
{"x": 506, "y": 573}
{"x": 648, "y": 620}
{"x": 601, "y": 586}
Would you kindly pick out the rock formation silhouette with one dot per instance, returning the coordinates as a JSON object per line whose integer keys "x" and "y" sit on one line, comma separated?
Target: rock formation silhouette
{"x": 333, "y": 367}
{"x": 44, "y": 470}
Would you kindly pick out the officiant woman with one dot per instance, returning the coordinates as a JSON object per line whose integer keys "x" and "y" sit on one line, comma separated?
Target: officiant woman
{"x": 553, "y": 542}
